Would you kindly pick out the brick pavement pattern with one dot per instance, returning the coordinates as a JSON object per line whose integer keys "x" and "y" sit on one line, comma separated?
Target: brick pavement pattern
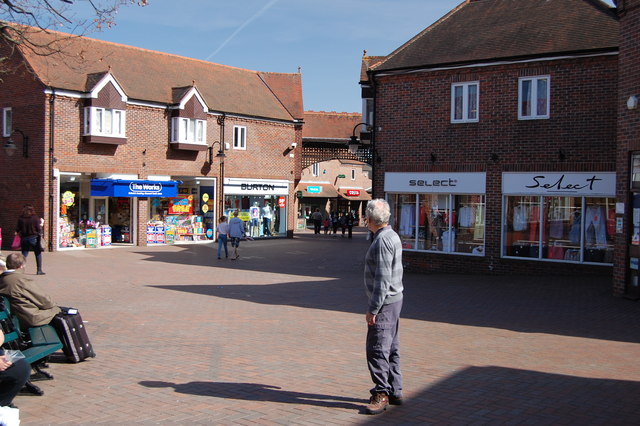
{"x": 277, "y": 337}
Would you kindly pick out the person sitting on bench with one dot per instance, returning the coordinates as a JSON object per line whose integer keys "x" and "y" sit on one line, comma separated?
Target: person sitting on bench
{"x": 28, "y": 300}
{"x": 13, "y": 376}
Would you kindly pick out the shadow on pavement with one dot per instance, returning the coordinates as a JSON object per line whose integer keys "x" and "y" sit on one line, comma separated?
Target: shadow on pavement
{"x": 489, "y": 395}
{"x": 258, "y": 392}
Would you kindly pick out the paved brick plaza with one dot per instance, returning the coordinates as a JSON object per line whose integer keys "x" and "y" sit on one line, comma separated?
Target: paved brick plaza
{"x": 278, "y": 338}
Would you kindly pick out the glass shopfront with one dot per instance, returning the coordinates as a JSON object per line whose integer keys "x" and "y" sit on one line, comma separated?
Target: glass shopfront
{"x": 261, "y": 203}
{"x": 567, "y": 217}
{"x": 438, "y": 212}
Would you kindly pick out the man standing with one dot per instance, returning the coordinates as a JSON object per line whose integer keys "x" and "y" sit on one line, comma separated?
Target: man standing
{"x": 316, "y": 216}
{"x": 236, "y": 233}
{"x": 383, "y": 285}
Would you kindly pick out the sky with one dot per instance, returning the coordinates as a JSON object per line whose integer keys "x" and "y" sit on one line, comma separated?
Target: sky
{"x": 325, "y": 38}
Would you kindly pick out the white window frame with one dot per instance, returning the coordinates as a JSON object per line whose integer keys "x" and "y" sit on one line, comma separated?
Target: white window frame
{"x": 240, "y": 137}
{"x": 315, "y": 169}
{"x": 534, "y": 115}
{"x": 466, "y": 111}
{"x": 188, "y": 130}
{"x": 7, "y": 122}
{"x": 105, "y": 122}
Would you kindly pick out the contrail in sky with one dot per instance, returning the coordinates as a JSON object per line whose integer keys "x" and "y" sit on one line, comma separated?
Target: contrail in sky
{"x": 241, "y": 27}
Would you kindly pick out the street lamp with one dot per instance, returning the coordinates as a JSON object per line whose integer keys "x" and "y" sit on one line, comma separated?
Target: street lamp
{"x": 10, "y": 146}
{"x": 354, "y": 142}
{"x": 220, "y": 155}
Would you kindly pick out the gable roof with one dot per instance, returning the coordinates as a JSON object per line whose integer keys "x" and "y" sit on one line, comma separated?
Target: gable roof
{"x": 489, "y": 30}
{"x": 327, "y": 126}
{"x": 152, "y": 76}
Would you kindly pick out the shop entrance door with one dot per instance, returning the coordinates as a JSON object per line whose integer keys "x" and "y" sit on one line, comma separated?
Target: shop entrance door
{"x": 120, "y": 219}
{"x": 98, "y": 210}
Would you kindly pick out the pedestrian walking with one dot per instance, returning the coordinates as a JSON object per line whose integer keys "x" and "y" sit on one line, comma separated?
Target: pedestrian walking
{"x": 383, "y": 285}
{"x": 236, "y": 233}
{"x": 350, "y": 221}
{"x": 223, "y": 234}
{"x": 29, "y": 229}
{"x": 316, "y": 217}
{"x": 334, "y": 222}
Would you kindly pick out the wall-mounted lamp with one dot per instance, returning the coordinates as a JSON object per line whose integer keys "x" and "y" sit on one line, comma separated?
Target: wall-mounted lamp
{"x": 10, "y": 147}
{"x": 433, "y": 157}
{"x": 494, "y": 157}
{"x": 221, "y": 155}
{"x": 354, "y": 142}
{"x": 632, "y": 102}
{"x": 561, "y": 155}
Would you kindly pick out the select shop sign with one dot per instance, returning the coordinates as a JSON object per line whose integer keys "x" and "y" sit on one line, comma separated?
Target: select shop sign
{"x": 429, "y": 183}
{"x": 557, "y": 183}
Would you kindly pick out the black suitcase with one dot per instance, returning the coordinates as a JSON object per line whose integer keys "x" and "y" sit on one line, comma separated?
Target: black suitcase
{"x": 71, "y": 330}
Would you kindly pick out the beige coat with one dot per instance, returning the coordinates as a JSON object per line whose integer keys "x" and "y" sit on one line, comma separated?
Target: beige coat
{"x": 28, "y": 300}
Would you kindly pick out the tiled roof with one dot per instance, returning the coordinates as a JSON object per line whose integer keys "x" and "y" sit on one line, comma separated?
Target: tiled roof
{"x": 369, "y": 62}
{"x": 321, "y": 125}
{"x": 487, "y": 30}
{"x": 152, "y": 76}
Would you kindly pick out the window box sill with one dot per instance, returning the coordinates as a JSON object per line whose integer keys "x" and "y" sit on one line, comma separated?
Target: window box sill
{"x": 105, "y": 140}
{"x": 189, "y": 146}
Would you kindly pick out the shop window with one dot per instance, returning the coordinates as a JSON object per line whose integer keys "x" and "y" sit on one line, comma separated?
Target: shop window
{"x": 464, "y": 102}
{"x": 239, "y": 137}
{"x": 367, "y": 111}
{"x": 7, "y": 122}
{"x": 571, "y": 229}
{"x": 188, "y": 130}
{"x": 444, "y": 223}
{"x": 104, "y": 122}
{"x": 533, "y": 98}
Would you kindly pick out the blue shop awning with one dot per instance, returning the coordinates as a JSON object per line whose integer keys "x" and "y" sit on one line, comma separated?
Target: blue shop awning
{"x": 133, "y": 188}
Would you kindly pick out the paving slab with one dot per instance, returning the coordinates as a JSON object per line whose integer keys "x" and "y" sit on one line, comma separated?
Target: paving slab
{"x": 277, "y": 337}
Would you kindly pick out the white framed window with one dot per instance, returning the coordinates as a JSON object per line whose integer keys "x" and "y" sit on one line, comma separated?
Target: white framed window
{"x": 188, "y": 130}
{"x": 7, "y": 122}
{"x": 533, "y": 97}
{"x": 239, "y": 137}
{"x": 315, "y": 169}
{"x": 353, "y": 174}
{"x": 465, "y": 102}
{"x": 104, "y": 122}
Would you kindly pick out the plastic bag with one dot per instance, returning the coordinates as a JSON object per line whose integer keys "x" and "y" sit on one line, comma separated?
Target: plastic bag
{"x": 16, "y": 244}
{"x": 9, "y": 416}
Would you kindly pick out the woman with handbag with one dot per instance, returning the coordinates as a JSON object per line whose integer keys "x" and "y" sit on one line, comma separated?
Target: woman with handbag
{"x": 29, "y": 229}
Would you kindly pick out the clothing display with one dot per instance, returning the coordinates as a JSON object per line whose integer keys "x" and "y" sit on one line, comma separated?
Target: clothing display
{"x": 467, "y": 216}
{"x": 448, "y": 240}
{"x": 520, "y": 218}
{"x": 407, "y": 219}
{"x": 595, "y": 226}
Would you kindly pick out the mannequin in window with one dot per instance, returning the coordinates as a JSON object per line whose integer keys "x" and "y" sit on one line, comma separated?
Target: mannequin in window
{"x": 266, "y": 220}
{"x": 254, "y": 224}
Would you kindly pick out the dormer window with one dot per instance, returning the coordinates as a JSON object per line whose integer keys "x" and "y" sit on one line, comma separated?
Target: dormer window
{"x": 188, "y": 130}
{"x": 104, "y": 122}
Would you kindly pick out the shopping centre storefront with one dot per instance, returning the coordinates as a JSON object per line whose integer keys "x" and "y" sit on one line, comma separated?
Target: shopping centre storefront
{"x": 103, "y": 211}
{"x": 262, "y": 205}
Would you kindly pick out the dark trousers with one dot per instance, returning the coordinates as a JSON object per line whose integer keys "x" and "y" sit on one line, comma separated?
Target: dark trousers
{"x": 317, "y": 223}
{"x": 12, "y": 380}
{"x": 383, "y": 351}
{"x": 32, "y": 243}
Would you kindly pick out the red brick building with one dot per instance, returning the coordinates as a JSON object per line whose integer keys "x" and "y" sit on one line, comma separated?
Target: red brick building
{"x": 625, "y": 270}
{"x": 140, "y": 141}
{"x": 496, "y": 133}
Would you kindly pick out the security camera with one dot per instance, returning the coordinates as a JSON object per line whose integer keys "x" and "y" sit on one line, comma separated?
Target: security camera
{"x": 293, "y": 145}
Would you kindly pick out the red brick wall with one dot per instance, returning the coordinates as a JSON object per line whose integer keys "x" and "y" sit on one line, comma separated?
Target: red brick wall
{"x": 413, "y": 121}
{"x": 628, "y": 129}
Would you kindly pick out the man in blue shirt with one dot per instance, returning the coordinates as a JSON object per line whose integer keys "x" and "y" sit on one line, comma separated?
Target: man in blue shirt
{"x": 383, "y": 285}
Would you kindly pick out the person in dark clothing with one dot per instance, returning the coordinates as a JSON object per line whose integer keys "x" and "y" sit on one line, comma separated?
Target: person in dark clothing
{"x": 13, "y": 376}
{"x": 30, "y": 230}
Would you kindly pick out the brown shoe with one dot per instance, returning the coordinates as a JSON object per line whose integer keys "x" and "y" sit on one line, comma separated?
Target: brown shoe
{"x": 378, "y": 403}
{"x": 395, "y": 400}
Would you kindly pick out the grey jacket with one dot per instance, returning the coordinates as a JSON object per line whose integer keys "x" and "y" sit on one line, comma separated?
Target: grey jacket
{"x": 383, "y": 270}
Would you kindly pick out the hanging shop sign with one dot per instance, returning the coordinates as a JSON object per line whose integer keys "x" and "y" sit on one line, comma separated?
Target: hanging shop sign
{"x": 314, "y": 189}
{"x": 352, "y": 192}
{"x": 552, "y": 184}
{"x": 133, "y": 188}
{"x": 282, "y": 202}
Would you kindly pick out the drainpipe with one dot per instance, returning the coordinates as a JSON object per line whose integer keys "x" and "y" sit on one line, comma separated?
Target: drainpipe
{"x": 52, "y": 112}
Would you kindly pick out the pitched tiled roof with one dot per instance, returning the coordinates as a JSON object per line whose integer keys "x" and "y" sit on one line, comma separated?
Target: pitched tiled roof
{"x": 153, "y": 77}
{"x": 321, "y": 125}
{"x": 486, "y": 30}
{"x": 369, "y": 62}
